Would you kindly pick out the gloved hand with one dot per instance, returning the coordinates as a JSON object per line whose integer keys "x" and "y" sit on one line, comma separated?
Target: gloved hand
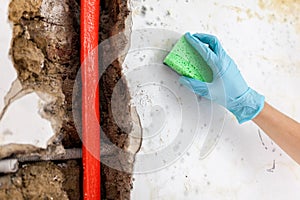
{"x": 228, "y": 87}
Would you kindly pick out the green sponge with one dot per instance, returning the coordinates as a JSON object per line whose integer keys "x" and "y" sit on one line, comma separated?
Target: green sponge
{"x": 185, "y": 60}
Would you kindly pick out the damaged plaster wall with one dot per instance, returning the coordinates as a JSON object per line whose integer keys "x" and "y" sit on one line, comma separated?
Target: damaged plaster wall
{"x": 37, "y": 109}
{"x": 118, "y": 118}
{"x": 39, "y": 62}
{"x": 43, "y": 51}
{"x": 43, "y": 180}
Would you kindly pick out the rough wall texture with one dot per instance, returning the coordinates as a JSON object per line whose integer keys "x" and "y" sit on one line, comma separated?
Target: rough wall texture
{"x": 44, "y": 180}
{"x": 115, "y": 184}
{"x": 45, "y": 51}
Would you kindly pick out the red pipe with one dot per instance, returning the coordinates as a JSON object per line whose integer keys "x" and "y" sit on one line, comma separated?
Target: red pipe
{"x": 89, "y": 28}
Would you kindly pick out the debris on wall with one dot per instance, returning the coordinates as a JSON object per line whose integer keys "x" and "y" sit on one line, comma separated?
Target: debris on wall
{"x": 45, "y": 55}
{"x": 116, "y": 125}
{"x": 44, "y": 48}
{"x": 43, "y": 180}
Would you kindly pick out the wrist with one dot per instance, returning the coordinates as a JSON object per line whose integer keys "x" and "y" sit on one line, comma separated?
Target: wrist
{"x": 247, "y": 106}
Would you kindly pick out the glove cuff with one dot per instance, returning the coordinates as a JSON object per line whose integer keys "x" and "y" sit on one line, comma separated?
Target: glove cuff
{"x": 247, "y": 106}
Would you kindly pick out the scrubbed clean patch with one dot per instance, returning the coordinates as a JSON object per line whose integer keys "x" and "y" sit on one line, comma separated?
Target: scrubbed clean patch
{"x": 185, "y": 60}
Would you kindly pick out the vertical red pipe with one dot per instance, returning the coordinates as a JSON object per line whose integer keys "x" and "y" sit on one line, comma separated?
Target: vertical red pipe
{"x": 89, "y": 27}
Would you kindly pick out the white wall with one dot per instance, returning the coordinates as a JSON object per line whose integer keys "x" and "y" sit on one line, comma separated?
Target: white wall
{"x": 263, "y": 37}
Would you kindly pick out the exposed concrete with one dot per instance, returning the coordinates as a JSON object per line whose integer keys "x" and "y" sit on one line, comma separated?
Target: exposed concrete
{"x": 118, "y": 118}
{"x": 45, "y": 53}
{"x": 57, "y": 39}
{"x": 45, "y": 50}
{"x": 43, "y": 180}
{"x": 36, "y": 96}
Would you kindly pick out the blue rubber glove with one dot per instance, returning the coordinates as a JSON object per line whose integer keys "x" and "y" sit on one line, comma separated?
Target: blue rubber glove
{"x": 228, "y": 87}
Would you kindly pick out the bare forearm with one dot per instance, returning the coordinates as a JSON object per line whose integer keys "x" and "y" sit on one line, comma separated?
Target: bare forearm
{"x": 281, "y": 129}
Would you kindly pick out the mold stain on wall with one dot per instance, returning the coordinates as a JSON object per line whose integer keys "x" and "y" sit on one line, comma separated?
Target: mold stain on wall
{"x": 286, "y": 11}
